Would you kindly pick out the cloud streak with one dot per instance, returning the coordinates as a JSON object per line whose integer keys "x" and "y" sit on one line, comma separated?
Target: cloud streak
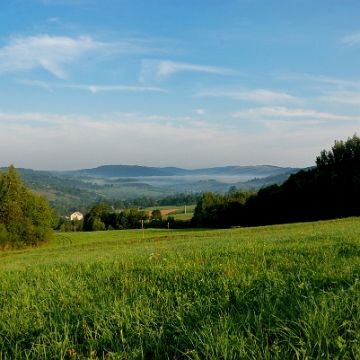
{"x": 283, "y": 112}
{"x": 258, "y": 95}
{"x": 161, "y": 69}
{"x": 93, "y": 88}
{"x": 319, "y": 79}
{"x": 48, "y": 52}
{"x": 345, "y": 97}
{"x": 329, "y": 89}
{"x": 167, "y": 68}
{"x": 351, "y": 40}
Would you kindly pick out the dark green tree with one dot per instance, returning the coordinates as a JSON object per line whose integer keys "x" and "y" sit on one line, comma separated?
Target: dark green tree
{"x": 96, "y": 218}
{"x": 345, "y": 155}
{"x": 339, "y": 174}
{"x": 206, "y": 210}
{"x": 134, "y": 218}
{"x": 329, "y": 190}
{"x": 25, "y": 218}
{"x": 122, "y": 222}
{"x": 156, "y": 214}
{"x": 220, "y": 210}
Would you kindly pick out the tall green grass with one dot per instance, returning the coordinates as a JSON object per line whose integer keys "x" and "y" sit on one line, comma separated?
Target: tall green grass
{"x": 276, "y": 292}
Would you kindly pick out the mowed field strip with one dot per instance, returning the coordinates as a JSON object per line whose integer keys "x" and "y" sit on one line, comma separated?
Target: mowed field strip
{"x": 178, "y": 212}
{"x": 165, "y": 212}
{"x": 272, "y": 292}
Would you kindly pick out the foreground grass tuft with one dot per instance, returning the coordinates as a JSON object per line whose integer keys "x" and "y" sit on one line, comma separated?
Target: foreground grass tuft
{"x": 276, "y": 292}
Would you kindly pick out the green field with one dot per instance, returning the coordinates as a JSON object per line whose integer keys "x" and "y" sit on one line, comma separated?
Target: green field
{"x": 272, "y": 292}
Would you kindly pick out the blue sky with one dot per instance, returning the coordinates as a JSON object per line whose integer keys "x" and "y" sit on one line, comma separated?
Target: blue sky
{"x": 185, "y": 83}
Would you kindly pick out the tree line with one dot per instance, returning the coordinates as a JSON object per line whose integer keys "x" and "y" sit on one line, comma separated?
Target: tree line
{"x": 101, "y": 217}
{"x": 329, "y": 190}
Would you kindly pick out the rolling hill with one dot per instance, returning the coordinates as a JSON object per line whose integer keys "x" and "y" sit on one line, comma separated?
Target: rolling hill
{"x": 113, "y": 171}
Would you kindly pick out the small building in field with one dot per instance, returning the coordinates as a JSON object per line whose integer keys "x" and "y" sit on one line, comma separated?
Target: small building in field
{"x": 76, "y": 216}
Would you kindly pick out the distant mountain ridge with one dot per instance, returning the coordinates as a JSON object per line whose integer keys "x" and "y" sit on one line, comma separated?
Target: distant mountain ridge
{"x": 113, "y": 171}
{"x": 110, "y": 171}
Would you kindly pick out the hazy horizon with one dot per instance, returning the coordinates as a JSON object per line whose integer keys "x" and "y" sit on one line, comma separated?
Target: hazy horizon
{"x": 160, "y": 167}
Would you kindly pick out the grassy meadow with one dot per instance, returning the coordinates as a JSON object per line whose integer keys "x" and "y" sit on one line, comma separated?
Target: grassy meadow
{"x": 272, "y": 292}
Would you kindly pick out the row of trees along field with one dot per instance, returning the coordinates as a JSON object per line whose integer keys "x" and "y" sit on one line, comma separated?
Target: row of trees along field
{"x": 25, "y": 218}
{"x": 101, "y": 218}
{"x": 175, "y": 199}
{"x": 329, "y": 190}
{"x": 84, "y": 205}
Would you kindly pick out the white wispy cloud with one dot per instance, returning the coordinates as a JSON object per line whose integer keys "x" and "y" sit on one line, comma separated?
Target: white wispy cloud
{"x": 258, "y": 95}
{"x": 160, "y": 69}
{"x": 166, "y": 68}
{"x": 55, "y": 53}
{"x": 345, "y": 97}
{"x": 93, "y": 88}
{"x": 48, "y": 52}
{"x": 283, "y": 112}
{"x": 329, "y": 89}
{"x": 351, "y": 40}
{"x": 319, "y": 79}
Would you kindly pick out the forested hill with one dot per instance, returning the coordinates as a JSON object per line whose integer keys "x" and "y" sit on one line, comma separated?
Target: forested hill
{"x": 65, "y": 194}
{"x": 112, "y": 171}
{"x": 32, "y": 177}
{"x": 253, "y": 170}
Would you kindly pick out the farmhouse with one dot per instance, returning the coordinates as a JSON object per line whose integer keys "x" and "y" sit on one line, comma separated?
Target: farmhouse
{"x": 76, "y": 216}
